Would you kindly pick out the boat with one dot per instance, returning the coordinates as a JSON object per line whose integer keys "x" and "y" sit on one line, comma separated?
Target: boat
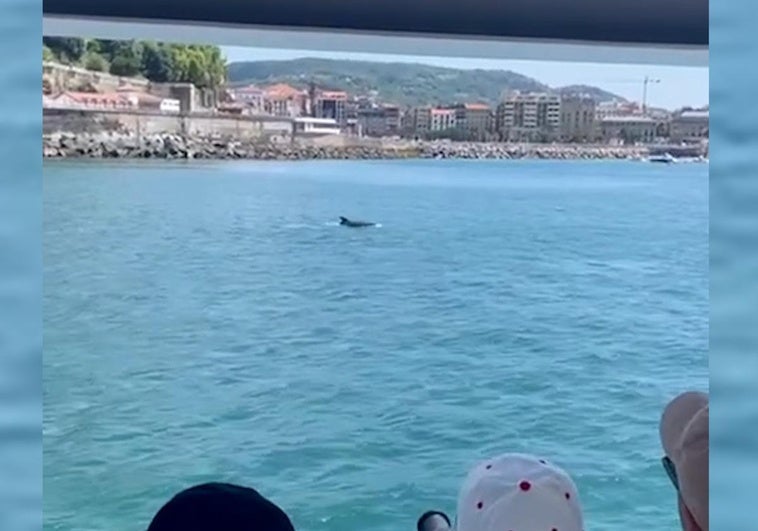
{"x": 666, "y": 158}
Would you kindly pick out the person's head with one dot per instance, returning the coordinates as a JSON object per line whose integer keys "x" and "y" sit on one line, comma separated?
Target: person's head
{"x": 518, "y": 492}
{"x": 684, "y": 436}
{"x": 220, "y": 507}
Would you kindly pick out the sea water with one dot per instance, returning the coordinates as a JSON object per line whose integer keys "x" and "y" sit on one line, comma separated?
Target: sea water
{"x": 212, "y": 321}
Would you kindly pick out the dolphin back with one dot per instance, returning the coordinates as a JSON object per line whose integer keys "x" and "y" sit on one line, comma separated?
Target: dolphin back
{"x": 351, "y": 223}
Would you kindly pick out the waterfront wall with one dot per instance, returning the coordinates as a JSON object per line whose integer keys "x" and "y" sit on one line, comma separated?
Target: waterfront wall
{"x": 58, "y": 121}
{"x": 67, "y": 77}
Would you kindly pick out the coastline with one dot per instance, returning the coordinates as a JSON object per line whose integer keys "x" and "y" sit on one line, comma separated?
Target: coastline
{"x": 178, "y": 147}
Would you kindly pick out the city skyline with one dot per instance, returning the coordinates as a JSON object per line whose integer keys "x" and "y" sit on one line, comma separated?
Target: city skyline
{"x": 678, "y": 87}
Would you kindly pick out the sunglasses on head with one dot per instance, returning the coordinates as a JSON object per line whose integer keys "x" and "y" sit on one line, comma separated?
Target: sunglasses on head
{"x": 670, "y": 469}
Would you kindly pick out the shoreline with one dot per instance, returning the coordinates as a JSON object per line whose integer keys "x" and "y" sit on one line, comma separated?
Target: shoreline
{"x": 109, "y": 146}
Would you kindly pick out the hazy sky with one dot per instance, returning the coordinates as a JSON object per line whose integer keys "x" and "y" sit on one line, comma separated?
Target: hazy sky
{"x": 679, "y": 86}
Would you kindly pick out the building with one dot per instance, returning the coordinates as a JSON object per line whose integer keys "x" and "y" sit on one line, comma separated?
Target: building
{"x": 473, "y": 120}
{"x": 112, "y": 101}
{"x": 332, "y": 105}
{"x": 617, "y": 108}
{"x": 442, "y": 120}
{"x": 628, "y": 129}
{"x": 529, "y": 117}
{"x": 190, "y": 98}
{"x": 457, "y": 121}
{"x": 689, "y": 125}
{"x": 251, "y": 96}
{"x": 315, "y": 127}
{"x": 393, "y": 119}
{"x": 150, "y": 102}
{"x": 421, "y": 121}
{"x": 662, "y": 119}
{"x": 285, "y": 101}
{"x": 371, "y": 121}
{"x": 380, "y": 120}
{"x": 578, "y": 119}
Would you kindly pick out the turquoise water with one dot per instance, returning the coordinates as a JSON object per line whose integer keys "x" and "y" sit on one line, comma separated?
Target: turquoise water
{"x": 211, "y": 321}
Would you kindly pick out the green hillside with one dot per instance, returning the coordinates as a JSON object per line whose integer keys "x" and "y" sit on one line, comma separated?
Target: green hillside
{"x": 402, "y": 83}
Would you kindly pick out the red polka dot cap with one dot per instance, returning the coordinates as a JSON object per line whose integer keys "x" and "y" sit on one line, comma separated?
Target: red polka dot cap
{"x": 519, "y": 492}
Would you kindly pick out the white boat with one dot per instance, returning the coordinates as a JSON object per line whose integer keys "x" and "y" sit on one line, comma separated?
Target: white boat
{"x": 666, "y": 158}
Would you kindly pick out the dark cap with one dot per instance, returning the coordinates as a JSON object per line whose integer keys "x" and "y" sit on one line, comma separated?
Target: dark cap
{"x": 220, "y": 507}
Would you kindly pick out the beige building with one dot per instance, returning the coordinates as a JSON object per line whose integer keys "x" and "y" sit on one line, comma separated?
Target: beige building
{"x": 530, "y": 117}
{"x": 689, "y": 126}
{"x": 474, "y": 120}
{"x": 332, "y": 105}
{"x": 421, "y": 122}
{"x": 442, "y": 119}
{"x": 578, "y": 119}
{"x": 617, "y": 108}
{"x": 628, "y": 129}
{"x": 393, "y": 119}
{"x": 252, "y": 97}
{"x": 285, "y": 101}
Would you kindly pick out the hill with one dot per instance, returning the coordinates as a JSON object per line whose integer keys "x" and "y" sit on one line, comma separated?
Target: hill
{"x": 596, "y": 93}
{"x": 402, "y": 83}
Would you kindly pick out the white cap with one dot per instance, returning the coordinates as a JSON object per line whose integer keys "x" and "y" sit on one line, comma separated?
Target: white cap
{"x": 518, "y": 492}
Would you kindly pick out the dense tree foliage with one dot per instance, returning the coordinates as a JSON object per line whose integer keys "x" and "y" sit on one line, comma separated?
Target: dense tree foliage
{"x": 95, "y": 61}
{"x": 47, "y": 54}
{"x": 65, "y": 49}
{"x": 201, "y": 65}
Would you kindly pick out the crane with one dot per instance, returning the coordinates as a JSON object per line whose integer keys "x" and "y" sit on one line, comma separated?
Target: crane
{"x": 644, "y": 92}
{"x": 647, "y": 80}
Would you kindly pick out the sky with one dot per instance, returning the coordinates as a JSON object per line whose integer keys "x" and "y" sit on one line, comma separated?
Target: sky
{"x": 677, "y": 87}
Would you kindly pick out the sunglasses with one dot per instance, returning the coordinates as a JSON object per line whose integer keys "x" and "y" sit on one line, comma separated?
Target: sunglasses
{"x": 670, "y": 469}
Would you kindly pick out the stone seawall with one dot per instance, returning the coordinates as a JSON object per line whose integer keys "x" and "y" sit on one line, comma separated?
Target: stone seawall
{"x": 172, "y": 146}
{"x": 64, "y": 121}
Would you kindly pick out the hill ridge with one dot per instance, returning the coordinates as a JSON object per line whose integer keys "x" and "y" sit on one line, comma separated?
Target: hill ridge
{"x": 397, "y": 82}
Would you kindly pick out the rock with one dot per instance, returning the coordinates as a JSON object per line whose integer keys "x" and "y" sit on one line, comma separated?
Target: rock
{"x": 168, "y": 146}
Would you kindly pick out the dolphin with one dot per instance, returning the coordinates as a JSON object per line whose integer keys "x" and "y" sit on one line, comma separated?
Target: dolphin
{"x": 350, "y": 223}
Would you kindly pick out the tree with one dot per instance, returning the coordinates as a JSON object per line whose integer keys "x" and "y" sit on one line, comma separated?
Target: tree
{"x": 204, "y": 66}
{"x": 47, "y": 54}
{"x": 157, "y": 62}
{"x": 66, "y": 49}
{"x": 125, "y": 57}
{"x": 110, "y": 48}
{"x": 95, "y": 61}
{"x": 93, "y": 46}
{"x": 125, "y": 66}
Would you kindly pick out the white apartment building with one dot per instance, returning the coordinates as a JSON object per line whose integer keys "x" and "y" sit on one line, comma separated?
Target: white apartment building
{"x": 529, "y": 117}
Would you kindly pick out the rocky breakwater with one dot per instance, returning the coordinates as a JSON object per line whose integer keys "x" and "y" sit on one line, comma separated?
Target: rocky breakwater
{"x": 474, "y": 150}
{"x": 171, "y": 146}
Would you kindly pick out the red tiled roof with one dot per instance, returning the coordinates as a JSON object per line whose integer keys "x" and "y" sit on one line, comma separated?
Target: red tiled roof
{"x": 282, "y": 91}
{"x": 476, "y": 107}
{"x": 86, "y": 97}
